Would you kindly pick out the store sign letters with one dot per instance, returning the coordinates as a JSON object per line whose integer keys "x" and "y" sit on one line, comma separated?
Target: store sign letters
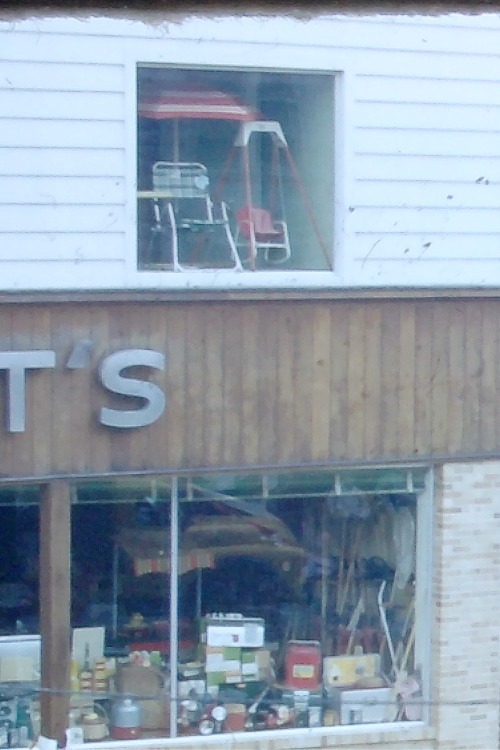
{"x": 17, "y": 365}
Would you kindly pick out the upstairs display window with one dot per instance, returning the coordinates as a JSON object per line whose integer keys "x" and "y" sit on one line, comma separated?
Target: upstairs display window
{"x": 235, "y": 170}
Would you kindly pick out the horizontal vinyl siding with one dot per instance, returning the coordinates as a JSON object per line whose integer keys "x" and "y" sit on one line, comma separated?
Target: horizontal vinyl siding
{"x": 419, "y": 155}
{"x": 62, "y": 161}
{"x": 426, "y": 159}
{"x": 73, "y": 190}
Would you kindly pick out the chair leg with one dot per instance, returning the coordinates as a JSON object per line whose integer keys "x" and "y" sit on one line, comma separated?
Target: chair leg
{"x": 232, "y": 245}
{"x": 175, "y": 241}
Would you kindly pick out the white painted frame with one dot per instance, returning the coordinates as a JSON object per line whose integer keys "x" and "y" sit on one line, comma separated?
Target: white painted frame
{"x": 213, "y": 54}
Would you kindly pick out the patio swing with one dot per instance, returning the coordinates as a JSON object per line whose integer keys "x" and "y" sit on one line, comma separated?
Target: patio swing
{"x": 259, "y": 227}
{"x": 264, "y": 231}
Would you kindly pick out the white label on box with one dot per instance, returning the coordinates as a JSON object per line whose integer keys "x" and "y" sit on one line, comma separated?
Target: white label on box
{"x": 218, "y": 635}
{"x": 249, "y": 668}
{"x": 215, "y": 663}
{"x": 254, "y": 635}
{"x": 231, "y": 665}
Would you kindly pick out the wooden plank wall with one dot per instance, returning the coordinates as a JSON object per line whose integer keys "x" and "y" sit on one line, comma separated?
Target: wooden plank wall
{"x": 261, "y": 382}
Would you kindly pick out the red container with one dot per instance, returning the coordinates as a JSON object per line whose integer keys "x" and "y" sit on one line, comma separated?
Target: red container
{"x": 303, "y": 665}
{"x": 126, "y": 733}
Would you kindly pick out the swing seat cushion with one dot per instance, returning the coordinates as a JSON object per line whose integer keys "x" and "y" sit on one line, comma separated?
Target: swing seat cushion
{"x": 264, "y": 228}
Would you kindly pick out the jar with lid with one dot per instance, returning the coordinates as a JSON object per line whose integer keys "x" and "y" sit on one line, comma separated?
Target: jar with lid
{"x": 125, "y": 720}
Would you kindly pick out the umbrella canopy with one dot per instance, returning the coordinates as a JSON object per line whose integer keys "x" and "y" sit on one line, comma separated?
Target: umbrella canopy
{"x": 195, "y": 105}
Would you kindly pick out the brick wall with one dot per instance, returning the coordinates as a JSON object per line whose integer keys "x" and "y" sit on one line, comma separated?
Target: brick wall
{"x": 466, "y": 606}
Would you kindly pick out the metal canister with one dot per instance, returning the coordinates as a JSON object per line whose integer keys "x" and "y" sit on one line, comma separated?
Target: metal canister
{"x": 125, "y": 720}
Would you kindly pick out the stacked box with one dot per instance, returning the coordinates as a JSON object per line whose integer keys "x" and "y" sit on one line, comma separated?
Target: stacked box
{"x": 226, "y": 665}
{"x": 222, "y": 665}
{"x": 233, "y": 649}
{"x": 232, "y": 630}
{"x": 255, "y": 664}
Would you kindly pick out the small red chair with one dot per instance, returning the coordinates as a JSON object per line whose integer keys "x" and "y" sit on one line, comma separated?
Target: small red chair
{"x": 262, "y": 232}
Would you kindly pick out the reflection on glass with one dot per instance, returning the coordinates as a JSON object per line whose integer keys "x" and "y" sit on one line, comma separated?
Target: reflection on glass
{"x": 295, "y": 601}
{"x": 235, "y": 170}
{"x": 305, "y": 602}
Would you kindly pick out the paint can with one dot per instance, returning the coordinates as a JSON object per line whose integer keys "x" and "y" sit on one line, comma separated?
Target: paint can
{"x": 126, "y": 720}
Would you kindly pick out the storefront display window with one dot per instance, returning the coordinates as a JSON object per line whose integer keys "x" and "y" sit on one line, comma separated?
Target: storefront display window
{"x": 237, "y": 603}
{"x": 20, "y": 641}
{"x": 235, "y": 170}
{"x": 19, "y": 561}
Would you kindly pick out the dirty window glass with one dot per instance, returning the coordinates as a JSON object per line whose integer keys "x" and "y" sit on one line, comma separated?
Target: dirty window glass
{"x": 235, "y": 170}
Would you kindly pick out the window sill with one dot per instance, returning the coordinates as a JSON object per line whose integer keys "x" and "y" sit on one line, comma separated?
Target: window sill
{"x": 231, "y": 279}
{"x": 388, "y": 735}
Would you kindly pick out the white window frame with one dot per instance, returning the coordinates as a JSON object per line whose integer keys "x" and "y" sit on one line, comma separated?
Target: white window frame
{"x": 423, "y": 614}
{"x": 212, "y": 53}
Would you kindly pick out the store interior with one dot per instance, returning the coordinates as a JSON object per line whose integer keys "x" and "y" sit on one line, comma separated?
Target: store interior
{"x": 292, "y": 601}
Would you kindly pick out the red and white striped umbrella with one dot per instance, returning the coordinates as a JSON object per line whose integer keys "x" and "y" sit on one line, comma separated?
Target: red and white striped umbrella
{"x": 198, "y": 105}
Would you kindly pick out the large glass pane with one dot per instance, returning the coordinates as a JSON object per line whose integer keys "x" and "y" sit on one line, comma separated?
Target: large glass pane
{"x": 120, "y": 609}
{"x": 235, "y": 169}
{"x": 293, "y": 602}
{"x": 303, "y": 599}
{"x": 20, "y": 643}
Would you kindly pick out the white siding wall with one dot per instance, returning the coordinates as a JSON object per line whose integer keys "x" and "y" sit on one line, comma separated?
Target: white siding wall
{"x": 417, "y": 144}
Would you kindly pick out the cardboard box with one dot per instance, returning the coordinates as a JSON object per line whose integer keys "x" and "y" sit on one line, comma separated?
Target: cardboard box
{"x": 255, "y": 664}
{"x": 222, "y": 665}
{"x": 147, "y": 681}
{"x": 243, "y": 632}
{"x": 369, "y": 706}
{"x": 343, "y": 671}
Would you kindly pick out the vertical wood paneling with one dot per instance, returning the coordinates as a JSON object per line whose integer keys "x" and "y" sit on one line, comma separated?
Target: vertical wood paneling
{"x": 142, "y": 330}
{"x": 355, "y": 381}
{"x": 285, "y": 395}
{"x": 303, "y": 351}
{"x": 389, "y": 366}
{"x": 321, "y": 385}
{"x": 231, "y": 392}
{"x": 214, "y": 324}
{"x": 256, "y": 383}
{"x": 24, "y": 453}
{"x": 78, "y": 386}
{"x": 43, "y": 404}
{"x": 473, "y": 369}
{"x": 339, "y": 322}
{"x": 193, "y": 389}
{"x": 268, "y": 374}
{"x": 456, "y": 385}
{"x": 101, "y": 334}
{"x": 62, "y": 397}
{"x": 156, "y": 432}
{"x": 423, "y": 377}
{"x": 121, "y": 323}
{"x": 407, "y": 364}
{"x": 7, "y": 456}
{"x": 372, "y": 378}
{"x": 173, "y": 322}
{"x": 249, "y": 384}
{"x": 489, "y": 376}
{"x": 440, "y": 367}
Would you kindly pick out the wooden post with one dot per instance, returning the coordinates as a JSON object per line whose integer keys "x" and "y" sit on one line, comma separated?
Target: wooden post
{"x": 55, "y": 603}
